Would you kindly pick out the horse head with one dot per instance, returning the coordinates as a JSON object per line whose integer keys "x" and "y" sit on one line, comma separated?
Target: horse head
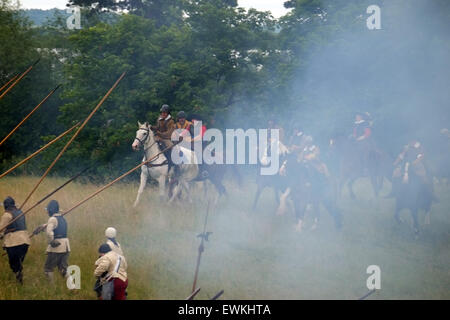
{"x": 143, "y": 135}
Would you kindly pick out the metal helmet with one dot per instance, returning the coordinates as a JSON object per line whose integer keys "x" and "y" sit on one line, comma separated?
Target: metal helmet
{"x": 181, "y": 115}
{"x": 8, "y": 203}
{"x": 110, "y": 232}
{"x": 165, "y": 108}
{"x": 52, "y": 207}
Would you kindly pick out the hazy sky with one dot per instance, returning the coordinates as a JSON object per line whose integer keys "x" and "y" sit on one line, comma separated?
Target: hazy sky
{"x": 275, "y": 6}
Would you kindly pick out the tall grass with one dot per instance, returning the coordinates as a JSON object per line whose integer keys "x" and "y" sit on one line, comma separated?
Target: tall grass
{"x": 251, "y": 255}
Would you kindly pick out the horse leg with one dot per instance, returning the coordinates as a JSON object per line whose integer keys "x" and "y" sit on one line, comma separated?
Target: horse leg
{"x": 316, "y": 213}
{"x": 258, "y": 193}
{"x": 141, "y": 187}
{"x": 220, "y": 187}
{"x": 176, "y": 192}
{"x": 283, "y": 202}
{"x": 162, "y": 186}
{"x": 415, "y": 215}
{"x": 300, "y": 209}
{"x": 188, "y": 193}
{"x": 275, "y": 192}
{"x": 334, "y": 212}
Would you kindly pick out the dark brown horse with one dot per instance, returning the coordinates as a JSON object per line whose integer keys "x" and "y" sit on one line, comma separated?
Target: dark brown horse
{"x": 414, "y": 195}
{"x": 309, "y": 187}
{"x": 348, "y": 162}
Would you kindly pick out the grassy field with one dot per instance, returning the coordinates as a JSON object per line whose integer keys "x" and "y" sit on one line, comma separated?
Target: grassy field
{"x": 251, "y": 255}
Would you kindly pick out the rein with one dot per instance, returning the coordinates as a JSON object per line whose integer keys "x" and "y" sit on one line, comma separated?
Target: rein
{"x": 145, "y": 150}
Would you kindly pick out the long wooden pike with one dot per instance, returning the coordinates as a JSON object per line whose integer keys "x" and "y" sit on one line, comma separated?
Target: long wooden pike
{"x": 45, "y": 198}
{"x": 193, "y": 294}
{"x": 38, "y": 151}
{"x": 8, "y": 82}
{"x": 18, "y": 79}
{"x": 147, "y": 162}
{"x": 218, "y": 294}
{"x": 29, "y": 115}
{"x": 367, "y": 294}
{"x": 71, "y": 139}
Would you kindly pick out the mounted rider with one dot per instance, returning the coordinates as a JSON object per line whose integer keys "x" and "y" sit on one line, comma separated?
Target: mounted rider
{"x": 362, "y": 136}
{"x": 411, "y": 160}
{"x": 310, "y": 156}
{"x": 163, "y": 131}
{"x": 297, "y": 141}
{"x": 272, "y": 124}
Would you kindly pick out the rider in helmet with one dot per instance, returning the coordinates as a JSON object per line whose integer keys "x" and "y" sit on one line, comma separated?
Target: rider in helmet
{"x": 311, "y": 157}
{"x": 183, "y": 125}
{"x": 362, "y": 127}
{"x": 297, "y": 140}
{"x": 411, "y": 159}
{"x": 362, "y": 133}
{"x": 164, "y": 129}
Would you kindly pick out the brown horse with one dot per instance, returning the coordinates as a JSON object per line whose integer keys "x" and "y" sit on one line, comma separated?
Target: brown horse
{"x": 349, "y": 162}
{"x": 414, "y": 196}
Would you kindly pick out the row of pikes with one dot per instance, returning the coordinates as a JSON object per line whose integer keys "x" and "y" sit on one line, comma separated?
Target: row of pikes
{"x": 20, "y": 215}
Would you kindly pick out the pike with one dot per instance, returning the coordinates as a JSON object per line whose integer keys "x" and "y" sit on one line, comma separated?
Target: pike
{"x": 73, "y": 138}
{"x": 217, "y": 296}
{"x": 367, "y": 294}
{"x": 147, "y": 162}
{"x": 38, "y": 151}
{"x": 20, "y": 78}
{"x": 204, "y": 237}
{"x": 9, "y": 81}
{"x": 193, "y": 294}
{"x": 45, "y": 198}
{"x": 29, "y": 115}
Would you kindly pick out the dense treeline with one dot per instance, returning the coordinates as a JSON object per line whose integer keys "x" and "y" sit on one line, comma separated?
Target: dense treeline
{"x": 315, "y": 66}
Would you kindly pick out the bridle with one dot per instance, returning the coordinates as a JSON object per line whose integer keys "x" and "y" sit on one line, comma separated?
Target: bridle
{"x": 142, "y": 143}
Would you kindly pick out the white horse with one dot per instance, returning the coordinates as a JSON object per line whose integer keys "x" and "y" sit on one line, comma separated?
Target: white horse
{"x": 158, "y": 169}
